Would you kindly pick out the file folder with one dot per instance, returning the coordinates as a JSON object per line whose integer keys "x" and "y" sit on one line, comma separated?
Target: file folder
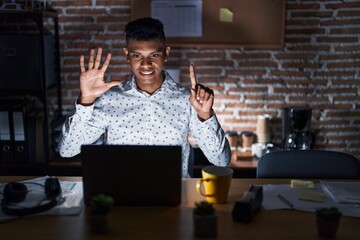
{"x": 5, "y": 136}
{"x": 20, "y": 141}
{"x": 7, "y": 130}
{"x": 19, "y": 145}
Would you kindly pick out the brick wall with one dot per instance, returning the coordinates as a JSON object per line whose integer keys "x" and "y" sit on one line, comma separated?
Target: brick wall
{"x": 319, "y": 66}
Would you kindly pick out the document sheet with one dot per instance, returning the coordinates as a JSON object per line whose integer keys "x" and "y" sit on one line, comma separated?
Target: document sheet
{"x": 318, "y": 198}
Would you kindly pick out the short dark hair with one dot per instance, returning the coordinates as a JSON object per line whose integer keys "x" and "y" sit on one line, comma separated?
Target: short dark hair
{"x": 145, "y": 29}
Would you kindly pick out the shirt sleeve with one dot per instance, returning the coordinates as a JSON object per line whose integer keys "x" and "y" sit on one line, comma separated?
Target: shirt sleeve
{"x": 210, "y": 137}
{"x": 86, "y": 126}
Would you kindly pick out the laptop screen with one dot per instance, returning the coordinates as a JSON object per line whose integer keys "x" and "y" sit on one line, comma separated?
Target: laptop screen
{"x": 133, "y": 175}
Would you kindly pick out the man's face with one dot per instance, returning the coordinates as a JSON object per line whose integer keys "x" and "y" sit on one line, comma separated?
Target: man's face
{"x": 146, "y": 59}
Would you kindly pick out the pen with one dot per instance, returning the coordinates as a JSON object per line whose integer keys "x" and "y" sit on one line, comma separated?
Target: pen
{"x": 284, "y": 200}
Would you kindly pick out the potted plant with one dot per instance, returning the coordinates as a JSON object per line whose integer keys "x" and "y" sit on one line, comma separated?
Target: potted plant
{"x": 100, "y": 207}
{"x": 327, "y": 221}
{"x": 205, "y": 220}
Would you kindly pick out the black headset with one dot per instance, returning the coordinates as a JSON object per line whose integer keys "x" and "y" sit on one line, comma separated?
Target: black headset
{"x": 15, "y": 192}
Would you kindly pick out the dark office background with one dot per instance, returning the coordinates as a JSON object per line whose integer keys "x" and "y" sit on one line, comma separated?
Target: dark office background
{"x": 318, "y": 66}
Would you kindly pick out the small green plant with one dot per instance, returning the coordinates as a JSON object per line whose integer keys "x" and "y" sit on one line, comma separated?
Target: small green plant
{"x": 329, "y": 213}
{"x": 204, "y": 208}
{"x": 101, "y": 204}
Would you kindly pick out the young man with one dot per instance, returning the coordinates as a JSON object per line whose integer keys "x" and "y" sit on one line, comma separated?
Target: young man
{"x": 149, "y": 109}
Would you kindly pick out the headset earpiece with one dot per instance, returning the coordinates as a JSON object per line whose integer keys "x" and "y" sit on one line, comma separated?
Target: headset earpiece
{"x": 15, "y": 192}
{"x": 52, "y": 188}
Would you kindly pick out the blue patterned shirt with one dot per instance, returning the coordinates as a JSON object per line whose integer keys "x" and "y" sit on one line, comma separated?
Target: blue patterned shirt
{"x": 126, "y": 115}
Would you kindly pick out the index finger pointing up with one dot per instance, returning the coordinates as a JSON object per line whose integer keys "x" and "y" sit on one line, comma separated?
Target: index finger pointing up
{"x": 192, "y": 76}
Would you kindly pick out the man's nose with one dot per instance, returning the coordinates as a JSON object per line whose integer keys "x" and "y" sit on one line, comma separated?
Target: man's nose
{"x": 146, "y": 61}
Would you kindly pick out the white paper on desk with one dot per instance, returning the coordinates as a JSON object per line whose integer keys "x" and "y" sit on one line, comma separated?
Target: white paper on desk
{"x": 272, "y": 202}
{"x": 342, "y": 192}
{"x": 71, "y": 191}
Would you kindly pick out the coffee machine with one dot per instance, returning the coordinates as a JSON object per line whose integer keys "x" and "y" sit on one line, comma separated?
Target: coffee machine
{"x": 296, "y": 128}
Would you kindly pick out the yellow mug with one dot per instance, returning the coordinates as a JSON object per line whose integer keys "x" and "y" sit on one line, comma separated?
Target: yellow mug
{"x": 216, "y": 183}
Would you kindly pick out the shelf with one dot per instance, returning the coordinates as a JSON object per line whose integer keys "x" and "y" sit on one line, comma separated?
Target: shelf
{"x": 30, "y": 69}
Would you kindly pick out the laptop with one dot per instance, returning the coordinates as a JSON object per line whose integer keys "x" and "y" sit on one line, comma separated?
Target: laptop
{"x": 134, "y": 175}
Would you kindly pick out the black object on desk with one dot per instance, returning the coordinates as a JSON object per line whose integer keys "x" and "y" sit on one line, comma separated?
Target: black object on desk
{"x": 245, "y": 208}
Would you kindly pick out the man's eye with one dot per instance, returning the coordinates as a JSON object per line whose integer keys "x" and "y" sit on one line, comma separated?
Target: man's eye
{"x": 155, "y": 55}
{"x": 136, "y": 55}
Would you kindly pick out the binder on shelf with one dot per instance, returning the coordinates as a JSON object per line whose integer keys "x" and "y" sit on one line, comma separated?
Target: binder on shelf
{"x": 20, "y": 143}
{"x": 13, "y": 132}
{"x": 6, "y": 150}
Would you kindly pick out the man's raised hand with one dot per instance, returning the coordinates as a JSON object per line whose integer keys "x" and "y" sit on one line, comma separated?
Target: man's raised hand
{"x": 201, "y": 98}
{"x": 92, "y": 83}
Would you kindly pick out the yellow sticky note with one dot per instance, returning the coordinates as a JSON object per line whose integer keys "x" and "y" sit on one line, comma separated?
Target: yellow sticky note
{"x": 311, "y": 196}
{"x": 302, "y": 184}
{"x": 226, "y": 15}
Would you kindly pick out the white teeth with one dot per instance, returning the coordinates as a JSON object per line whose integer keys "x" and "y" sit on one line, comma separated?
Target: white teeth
{"x": 147, "y": 72}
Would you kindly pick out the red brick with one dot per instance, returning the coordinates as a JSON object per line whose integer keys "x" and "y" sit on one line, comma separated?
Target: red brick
{"x": 312, "y": 14}
{"x": 348, "y": 48}
{"x": 87, "y": 27}
{"x": 342, "y": 5}
{"x": 216, "y": 63}
{"x": 302, "y": 22}
{"x": 302, "y": 6}
{"x": 310, "y": 48}
{"x": 345, "y": 82}
{"x": 121, "y": 11}
{"x": 289, "y": 74}
{"x": 113, "y": 2}
{"x": 340, "y": 56}
{"x": 117, "y": 20}
{"x": 336, "y": 39}
{"x": 301, "y": 65}
{"x": 258, "y": 64}
{"x": 295, "y": 56}
{"x": 343, "y": 65}
{"x": 307, "y": 31}
{"x": 310, "y": 99}
{"x": 246, "y": 72}
{"x": 347, "y": 31}
{"x": 263, "y": 97}
{"x": 215, "y": 55}
{"x": 343, "y": 114}
{"x": 335, "y": 90}
{"x": 250, "y": 55}
{"x": 262, "y": 81}
{"x": 57, "y": 3}
{"x": 353, "y": 137}
{"x": 294, "y": 90}
{"x": 348, "y": 13}
{"x": 297, "y": 39}
{"x": 85, "y": 11}
{"x": 341, "y": 22}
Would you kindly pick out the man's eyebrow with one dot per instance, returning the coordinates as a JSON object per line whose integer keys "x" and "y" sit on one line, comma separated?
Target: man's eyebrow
{"x": 132, "y": 52}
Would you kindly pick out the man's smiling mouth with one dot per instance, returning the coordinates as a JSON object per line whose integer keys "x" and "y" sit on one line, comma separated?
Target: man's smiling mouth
{"x": 148, "y": 72}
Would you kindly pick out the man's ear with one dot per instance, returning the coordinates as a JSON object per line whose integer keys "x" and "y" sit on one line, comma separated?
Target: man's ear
{"x": 126, "y": 53}
{"x": 167, "y": 52}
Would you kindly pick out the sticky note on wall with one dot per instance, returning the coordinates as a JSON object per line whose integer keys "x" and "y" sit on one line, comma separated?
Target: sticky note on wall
{"x": 226, "y": 15}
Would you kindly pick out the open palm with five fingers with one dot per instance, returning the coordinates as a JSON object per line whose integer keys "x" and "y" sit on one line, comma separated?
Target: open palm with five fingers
{"x": 201, "y": 98}
{"x": 92, "y": 83}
